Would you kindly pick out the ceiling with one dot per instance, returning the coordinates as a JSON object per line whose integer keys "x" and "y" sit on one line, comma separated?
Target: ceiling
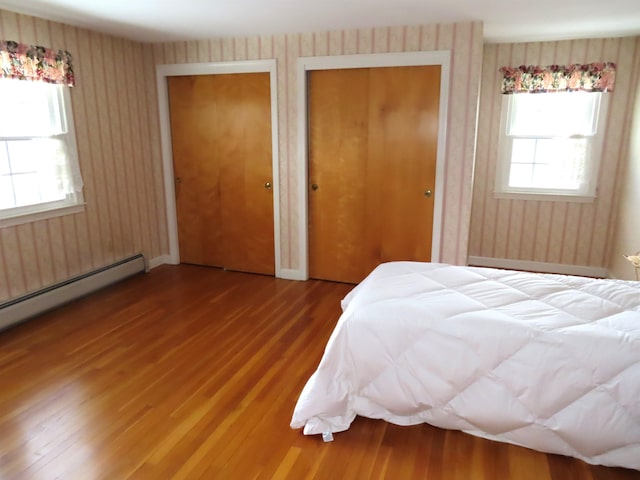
{"x": 171, "y": 20}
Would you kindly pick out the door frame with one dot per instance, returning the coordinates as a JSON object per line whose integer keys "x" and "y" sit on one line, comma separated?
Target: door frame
{"x": 405, "y": 59}
{"x": 214, "y": 68}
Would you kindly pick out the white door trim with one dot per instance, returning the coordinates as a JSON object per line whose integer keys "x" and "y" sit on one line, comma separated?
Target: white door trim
{"x": 255, "y": 66}
{"x": 305, "y": 64}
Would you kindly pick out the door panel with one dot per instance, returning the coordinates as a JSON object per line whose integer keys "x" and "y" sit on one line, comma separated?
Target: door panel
{"x": 372, "y": 152}
{"x": 222, "y": 134}
{"x": 194, "y": 134}
{"x": 403, "y": 138}
{"x": 245, "y": 151}
{"x": 338, "y": 145}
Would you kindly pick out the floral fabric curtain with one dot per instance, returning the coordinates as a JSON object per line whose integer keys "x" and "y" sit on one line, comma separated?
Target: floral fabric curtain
{"x": 591, "y": 77}
{"x": 35, "y": 63}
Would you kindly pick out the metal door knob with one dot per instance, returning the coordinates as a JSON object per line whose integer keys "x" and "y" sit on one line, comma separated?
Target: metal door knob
{"x": 314, "y": 187}
{"x": 267, "y": 185}
{"x": 428, "y": 193}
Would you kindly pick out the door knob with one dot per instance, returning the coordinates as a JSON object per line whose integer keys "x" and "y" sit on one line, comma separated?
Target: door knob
{"x": 428, "y": 193}
{"x": 314, "y": 187}
{"x": 267, "y": 185}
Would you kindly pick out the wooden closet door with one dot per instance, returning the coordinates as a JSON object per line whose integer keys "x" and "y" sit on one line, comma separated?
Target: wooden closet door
{"x": 372, "y": 154}
{"x": 338, "y": 149}
{"x": 194, "y": 133}
{"x": 221, "y": 134}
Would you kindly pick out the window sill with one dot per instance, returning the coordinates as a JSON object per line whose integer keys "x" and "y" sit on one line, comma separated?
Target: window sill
{"x": 544, "y": 197}
{"x": 41, "y": 215}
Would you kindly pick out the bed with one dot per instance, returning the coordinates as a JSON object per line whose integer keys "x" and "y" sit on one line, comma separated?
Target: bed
{"x": 549, "y": 362}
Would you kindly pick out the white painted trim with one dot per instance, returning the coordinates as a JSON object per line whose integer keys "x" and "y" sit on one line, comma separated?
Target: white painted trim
{"x": 41, "y": 215}
{"x": 253, "y": 66}
{"x": 291, "y": 274}
{"x": 543, "y": 267}
{"x": 160, "y": 260}
{"x": 403, "y": 59}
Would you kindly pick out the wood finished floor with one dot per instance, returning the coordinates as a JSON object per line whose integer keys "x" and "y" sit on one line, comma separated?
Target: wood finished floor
{"x": 192, "y": 373}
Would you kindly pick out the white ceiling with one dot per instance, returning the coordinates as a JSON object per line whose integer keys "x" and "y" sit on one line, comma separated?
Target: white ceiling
{"x": 504, "y": 20}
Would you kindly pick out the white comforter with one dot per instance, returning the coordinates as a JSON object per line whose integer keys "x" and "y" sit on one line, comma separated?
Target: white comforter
{"x": 549, "y": 362}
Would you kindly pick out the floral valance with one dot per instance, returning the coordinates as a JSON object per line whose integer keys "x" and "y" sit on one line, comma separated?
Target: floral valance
{"x": 591, "y": 77}
{"x": 35, "y": 63}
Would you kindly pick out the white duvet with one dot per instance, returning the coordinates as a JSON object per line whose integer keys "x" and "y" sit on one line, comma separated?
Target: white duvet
{"x": 549, "y": 362}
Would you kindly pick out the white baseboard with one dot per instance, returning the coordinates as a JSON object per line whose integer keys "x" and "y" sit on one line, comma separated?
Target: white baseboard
{"x": 284, "y": 273}
{"x": 161, "y": 260}
{"x": 291, "y": 274}
{"x": 543, "y": 267}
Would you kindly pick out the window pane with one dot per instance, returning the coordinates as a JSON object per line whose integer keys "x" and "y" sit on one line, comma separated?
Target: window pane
{"x": 523, "y": 150}
{"x": 6, "y": 192}
{"x": 26, "y": 189}
{"x": 24, "y": 155}
{"x": 542, "y": 176}
{"x": 566, "y": 159}
{"x": 4, "y": 160}
{"x": 520, "y": 175}
{"x": 48, "y": 187}
{"x": 34, "y": 168}
{"x": 553, "y": 114}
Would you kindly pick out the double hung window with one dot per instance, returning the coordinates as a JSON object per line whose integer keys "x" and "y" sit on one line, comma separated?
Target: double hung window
{"x": 39, "y": 173}
{"x": 551, "y": 130}
{"x": 549, "y": 144}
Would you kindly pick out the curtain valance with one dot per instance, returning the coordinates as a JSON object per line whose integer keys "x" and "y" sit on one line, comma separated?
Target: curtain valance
{"x": 591, "y": 77}
{"x": 35, "y": 63}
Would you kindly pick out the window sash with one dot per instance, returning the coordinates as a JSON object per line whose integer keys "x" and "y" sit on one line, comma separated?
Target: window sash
{"x": 31, "y": 109}
{"x": 551, "y": 165}
{"x": 573, "y": 114}
{"x": 42, "y": 163}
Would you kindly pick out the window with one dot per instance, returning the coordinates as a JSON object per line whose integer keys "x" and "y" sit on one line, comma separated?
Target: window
{"x": 39, "y": 173}
{"x": 549, "y": 144}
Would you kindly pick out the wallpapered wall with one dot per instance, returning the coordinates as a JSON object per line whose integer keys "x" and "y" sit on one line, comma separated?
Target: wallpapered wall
{"x": 543, "y": 231}
{"x": 116, "y": 117}
{"x": 115, "y": 113}
{"x": 627, "y": 239}
{"x": 464, "y": 40}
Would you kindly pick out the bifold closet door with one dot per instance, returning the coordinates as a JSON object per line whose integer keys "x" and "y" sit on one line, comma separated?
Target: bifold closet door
{"x": 221, "y": 138}
{"x": 372, "y": 159}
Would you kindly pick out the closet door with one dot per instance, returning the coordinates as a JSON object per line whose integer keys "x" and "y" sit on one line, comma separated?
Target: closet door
{"x": 372, "y": 159}
{"x": 221, "y": 135}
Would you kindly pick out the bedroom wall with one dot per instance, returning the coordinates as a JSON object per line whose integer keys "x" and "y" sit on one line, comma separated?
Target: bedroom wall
{"x": 543, "y": 231}
{"x": 463, "y": 39}
{"x": 627, "y": 235}
{"x": 116, "y": 120}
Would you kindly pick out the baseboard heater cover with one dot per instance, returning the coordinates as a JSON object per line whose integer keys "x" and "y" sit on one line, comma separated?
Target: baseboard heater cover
{"x": 26, "y": 306}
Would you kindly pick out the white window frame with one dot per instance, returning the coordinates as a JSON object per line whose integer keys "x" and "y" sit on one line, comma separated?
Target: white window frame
{"x": 586, "y": 194}
{"x": 74, "y": 201}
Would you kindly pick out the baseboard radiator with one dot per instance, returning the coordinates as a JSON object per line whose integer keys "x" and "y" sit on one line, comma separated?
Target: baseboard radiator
{"x": 22, "y": 308}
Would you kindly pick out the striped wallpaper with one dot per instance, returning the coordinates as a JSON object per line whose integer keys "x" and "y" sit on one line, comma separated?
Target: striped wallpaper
{"x": 464, "y": 40}
{"x": 115, "y": 113}
{"x": 627, "y": 235}
{"x": 544, "y": 231}
{"x": 116, "y": 116}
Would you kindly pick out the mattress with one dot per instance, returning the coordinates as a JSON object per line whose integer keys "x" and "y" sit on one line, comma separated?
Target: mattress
{"x": 549, "y": 362}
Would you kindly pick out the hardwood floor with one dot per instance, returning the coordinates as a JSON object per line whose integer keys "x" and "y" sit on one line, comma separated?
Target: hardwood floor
{"x": 190, "y": 372}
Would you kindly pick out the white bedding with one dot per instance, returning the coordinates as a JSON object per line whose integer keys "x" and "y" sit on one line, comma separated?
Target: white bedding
{"x": 549, "y": 362}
